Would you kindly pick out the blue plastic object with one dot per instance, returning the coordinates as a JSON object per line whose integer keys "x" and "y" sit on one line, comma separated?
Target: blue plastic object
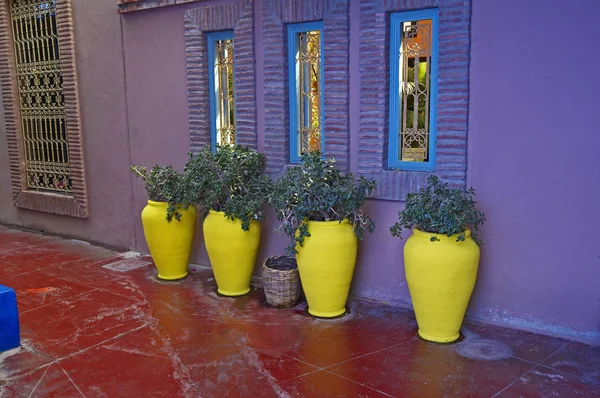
{"x": 9, "y": 319}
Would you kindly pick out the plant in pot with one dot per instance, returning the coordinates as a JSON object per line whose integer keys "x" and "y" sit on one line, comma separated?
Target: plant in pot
{"x": 168, "y": 225}
{"x": 320, "y": 210}
{"x": 229, "y": 189}
{"x": 441, "y": 256}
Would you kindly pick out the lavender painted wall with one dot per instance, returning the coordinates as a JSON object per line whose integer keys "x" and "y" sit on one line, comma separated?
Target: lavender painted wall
{"x": 531, "y": 152}
{"x": 533, "y": 158}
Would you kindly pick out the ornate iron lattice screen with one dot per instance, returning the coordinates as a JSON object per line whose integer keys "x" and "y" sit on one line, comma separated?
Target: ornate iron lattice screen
{"x": 309, "y": 82}
{"x": 415, "y": 75}
{"x": 225, "y": 117}
{"x": 41, "y": 100}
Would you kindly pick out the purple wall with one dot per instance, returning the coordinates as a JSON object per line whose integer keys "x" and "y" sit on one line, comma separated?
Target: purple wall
{"x": 531, "y": 153}
{"x": 533, "y": 158}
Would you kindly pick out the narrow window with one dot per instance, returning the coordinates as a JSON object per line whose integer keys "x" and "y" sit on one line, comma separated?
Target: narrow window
{"x": 413, "y": 90}
{"x": 221, "y": 83}
{"x": 305, "y": 45}
{"x": 41, "y": 99}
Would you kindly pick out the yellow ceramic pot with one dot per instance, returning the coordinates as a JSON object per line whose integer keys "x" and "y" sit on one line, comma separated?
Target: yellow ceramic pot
{"x": 326, "y": 265}
{"x": 170, "y": 243}
{"x": 441, "y": 276}
{"x": 232, "y": 252}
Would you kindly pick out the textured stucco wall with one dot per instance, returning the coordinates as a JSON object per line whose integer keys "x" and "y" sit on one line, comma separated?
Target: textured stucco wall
{"x": 106, "y": 149}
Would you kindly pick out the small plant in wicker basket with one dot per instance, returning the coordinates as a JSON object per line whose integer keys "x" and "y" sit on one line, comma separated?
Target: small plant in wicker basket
{"x": 281, "y": 281}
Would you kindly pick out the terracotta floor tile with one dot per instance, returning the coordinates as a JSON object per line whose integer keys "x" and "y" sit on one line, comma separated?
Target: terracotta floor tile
{"x": 63, "y": 328}
{"x": 50, "y": 381}
{"x": 44, "y": 254}
{"x": 524, "y": 345}
{"x": 544, "y": 382}
{"x": 421, "y": 369}
{"x": 36, "y": 289}
{"x": 19, "y": 361}
{"x": 8, "y": 270}
{"x": 346, "y": 339}
{"x": 95, "y": 275}
{"x": 136, "y": 366}
{"x": 327, "y": 385}
{"x": 36, "y": 258}
{"x": 577, "y": 359}
{"x": 12, "y": 239}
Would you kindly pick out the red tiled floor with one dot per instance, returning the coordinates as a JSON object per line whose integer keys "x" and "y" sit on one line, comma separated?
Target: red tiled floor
{"x": 20, "y": 361}
{"x": 109, "y": 327}
{"x": 420, "y": 369}
{"x": 544, "y": 382}
{"x": 577, "y": 359}
{"x": 12, "y": 239}
{"x": 36, "y": 289}
{"x": 528, "y": 346}
{"x": 325, "y": 385}
{"x": 50, "y": 381}
{"x": 136, "y": 366}
{"x": 95, "y": 275}
{"x": 350, "y": 339}
{"x": 66, "y": 327}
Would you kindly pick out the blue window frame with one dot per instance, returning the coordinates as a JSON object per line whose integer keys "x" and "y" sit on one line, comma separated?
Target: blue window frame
{"x": 305, "y": 61}
{"x": 221, "y": 86}
{"x": 413, "y": 90}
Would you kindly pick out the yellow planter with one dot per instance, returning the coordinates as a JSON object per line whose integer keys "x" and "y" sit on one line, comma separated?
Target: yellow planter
{"x": 326, "y": 265}
{"x": 232, "y": 252}
{"x": 170, "y": 243}
{"x": 441, "y": 276}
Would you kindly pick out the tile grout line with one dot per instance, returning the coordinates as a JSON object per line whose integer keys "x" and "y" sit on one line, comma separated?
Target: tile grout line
{"x": 529, "y": 371}
{"x": 319, "y": 368}
{"x": 562, "y": 371}
{"x": 372, "y": 352}
{"x": 102, "y": 342}
{"x": 42, "y": 270}
{"x": 62, "y": 299}
{"x": 40, "y": 380}
{"x": 360, "y": 384}
{"x": 515, "y": 380}
{"x": 70, "y": 379}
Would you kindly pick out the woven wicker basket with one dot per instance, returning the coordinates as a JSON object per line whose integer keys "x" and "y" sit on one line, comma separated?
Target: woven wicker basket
{"x": 282, "y": 288}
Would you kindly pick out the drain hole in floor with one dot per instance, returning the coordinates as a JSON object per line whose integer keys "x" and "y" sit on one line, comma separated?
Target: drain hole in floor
{"x": 484, "y": 350}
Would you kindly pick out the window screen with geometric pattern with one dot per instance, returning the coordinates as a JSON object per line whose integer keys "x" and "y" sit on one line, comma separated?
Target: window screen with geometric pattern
{"x": 306, "y": 88}
{"x": 221, "y": 83}
{"x": 41, "y": 99}
{"x": 413, "y": 90}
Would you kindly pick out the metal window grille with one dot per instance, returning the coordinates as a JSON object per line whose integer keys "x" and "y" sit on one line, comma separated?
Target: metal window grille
{"x": 309, "y": 83}
{"x": 415, "y": 74}
{"x": 41, "y": 100}
{"x": 225, "y": 118}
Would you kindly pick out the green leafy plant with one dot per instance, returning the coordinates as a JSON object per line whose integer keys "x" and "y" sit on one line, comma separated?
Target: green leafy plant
{"x": 163, "y": 184}
{"x": 409, "y": 91}
{"x": 230, "y": 180}
{"x": 317, "y": 191}
{"x": 439, "y": 209}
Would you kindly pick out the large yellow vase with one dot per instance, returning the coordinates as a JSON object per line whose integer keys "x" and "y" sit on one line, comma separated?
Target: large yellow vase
{"x": 326, "y": 265}
{"x": 170, "y": 243}
{"x": 232, "y": 252}
{"x": 441, "y": 276}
